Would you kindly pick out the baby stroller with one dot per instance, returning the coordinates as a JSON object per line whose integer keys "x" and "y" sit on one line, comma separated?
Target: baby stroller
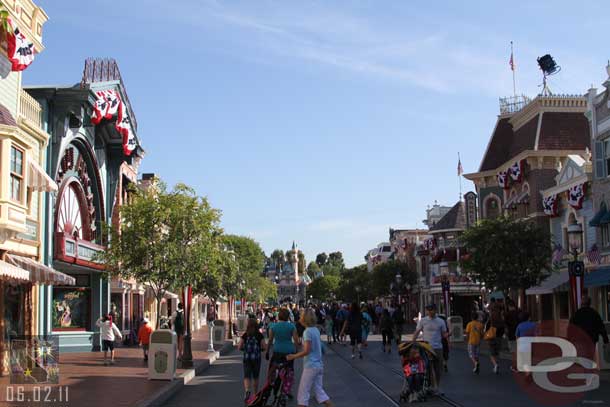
{"x": 274, "y": 392}
{"x": 416, "y": 358}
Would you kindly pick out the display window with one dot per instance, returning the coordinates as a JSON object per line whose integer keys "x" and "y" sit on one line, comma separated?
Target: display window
{"x": 72, "y": 306}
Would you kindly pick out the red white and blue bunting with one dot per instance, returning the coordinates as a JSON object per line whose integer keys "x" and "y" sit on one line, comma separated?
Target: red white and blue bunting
{"x": 576, "y": 195}
{"x": 550, "y": 205}
{"x": 19, "y": 49}
{"x": 107, "y": 104}
{"x": 430, "y": 244}
{"x": 516, "y": 171}
{"x": 503, "y": 180}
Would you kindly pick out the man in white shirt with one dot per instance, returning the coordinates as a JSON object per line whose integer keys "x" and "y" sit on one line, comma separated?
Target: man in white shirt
{"x": 434, "y": 330}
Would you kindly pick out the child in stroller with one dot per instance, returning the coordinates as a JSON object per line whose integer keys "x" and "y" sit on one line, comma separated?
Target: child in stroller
{"x": 415, "y": 359}
{"x": 277, "y": 387}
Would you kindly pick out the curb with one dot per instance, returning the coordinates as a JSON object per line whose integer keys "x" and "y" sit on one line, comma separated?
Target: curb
{"x": 161, "y": 396}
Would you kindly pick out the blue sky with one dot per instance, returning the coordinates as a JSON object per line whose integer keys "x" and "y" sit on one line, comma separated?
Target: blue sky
{"x": 323, "y": 122}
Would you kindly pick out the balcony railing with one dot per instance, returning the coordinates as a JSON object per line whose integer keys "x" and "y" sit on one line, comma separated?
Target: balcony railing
{"x": 30, "y": 110}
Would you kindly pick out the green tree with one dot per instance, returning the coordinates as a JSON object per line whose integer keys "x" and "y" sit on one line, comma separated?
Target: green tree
{"x": 321, "y": 259}
{"x": 356, "y": 283}
{"x": 167, "y": 239}
{"x": 506, "y": 254}
{"x": 336, "y": 259}
{"x": 250, "y": 260}
{"x": 313, "y": 270}
{"x": 277, "y": 257}
{"x": 302, "y": 264}
{"x": 322, "y": 288}
{"x": 384, "y": 276}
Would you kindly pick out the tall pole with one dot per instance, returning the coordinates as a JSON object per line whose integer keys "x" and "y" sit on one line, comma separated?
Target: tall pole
{"x": 187, "y": 357}
{"x": 460, "y": 174}
{"x": 512, "y": 67}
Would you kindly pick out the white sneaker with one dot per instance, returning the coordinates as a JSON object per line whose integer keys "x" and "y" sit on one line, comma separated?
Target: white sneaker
{"x": 496, "y": 369}
{"x": 353, "y": 356}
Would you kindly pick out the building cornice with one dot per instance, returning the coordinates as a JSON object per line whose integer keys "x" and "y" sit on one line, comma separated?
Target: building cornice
{"x": 539, "y": 154}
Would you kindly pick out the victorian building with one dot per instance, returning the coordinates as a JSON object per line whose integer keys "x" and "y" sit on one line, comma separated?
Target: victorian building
{"x": 530, "y": 139}
{"x": 597, "y": 280}
{"x": 24, "y": 184}
{"x": 568, "y": 205}
{"x": 93, "y": 155}
{"x": 439, "y": 261}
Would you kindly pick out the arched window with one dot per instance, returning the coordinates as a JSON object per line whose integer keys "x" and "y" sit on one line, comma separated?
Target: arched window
{"x": 492, "y": 207}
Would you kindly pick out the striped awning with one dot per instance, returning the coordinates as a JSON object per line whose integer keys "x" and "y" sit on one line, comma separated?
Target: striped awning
{"x": 551, "y": 284}
{"x": 10, "y": 272}
{"x": 39, "y": 273}
{"x": 39, "y": 180}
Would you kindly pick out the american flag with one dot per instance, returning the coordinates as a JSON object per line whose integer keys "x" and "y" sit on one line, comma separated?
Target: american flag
{"x": 558, "y": 253}
{"x": 594, "y": 255}
{"x": 460, "y": 170}
{"x": 511, "y": 62}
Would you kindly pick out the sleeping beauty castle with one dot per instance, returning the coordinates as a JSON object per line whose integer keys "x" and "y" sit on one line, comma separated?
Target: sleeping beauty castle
{"x": 291, "y": 285}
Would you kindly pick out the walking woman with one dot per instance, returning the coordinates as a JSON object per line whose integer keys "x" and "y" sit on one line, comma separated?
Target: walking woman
{"x": 313, "y": 367}
{"x": 494, "y": 333}
{"x": 252, "y": 343}
{"x": 283, "y": 339}
{"x": 385, "y": 324}
{"x": 353, "y": 325}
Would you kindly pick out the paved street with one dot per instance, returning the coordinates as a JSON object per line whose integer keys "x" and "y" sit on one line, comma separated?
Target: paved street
{"x": 375, "y": 381}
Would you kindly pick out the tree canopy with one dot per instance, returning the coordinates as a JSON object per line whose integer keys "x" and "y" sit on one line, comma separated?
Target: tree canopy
{"x": 167, "y": 239}
{"x": 384, "y": 277}
{"x": 323, "y": 288}
{"x": 506, "y": 254}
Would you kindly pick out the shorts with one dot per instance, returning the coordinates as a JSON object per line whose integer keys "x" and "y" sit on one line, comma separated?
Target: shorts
{"x": 355, "y": 338}
{"x": 494, "y": 346}
{"x": 252, "y": 369}
{"x": 145, "y": 346}
{"x": 474, "y": 351}
{"x": 107, "y": 345}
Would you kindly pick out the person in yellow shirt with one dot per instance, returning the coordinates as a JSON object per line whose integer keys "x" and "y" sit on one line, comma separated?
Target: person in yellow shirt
{"x": 474, "y": 329}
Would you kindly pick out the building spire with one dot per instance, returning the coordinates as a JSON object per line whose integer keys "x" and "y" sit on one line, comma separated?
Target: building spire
{"x": 294, "y": 246}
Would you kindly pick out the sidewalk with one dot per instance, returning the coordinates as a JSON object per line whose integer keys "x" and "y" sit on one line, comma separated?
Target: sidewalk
{"x": 90, "y": 383}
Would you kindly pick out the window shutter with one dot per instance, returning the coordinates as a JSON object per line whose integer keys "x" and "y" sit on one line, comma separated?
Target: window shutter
{"x": 599, "y": 160}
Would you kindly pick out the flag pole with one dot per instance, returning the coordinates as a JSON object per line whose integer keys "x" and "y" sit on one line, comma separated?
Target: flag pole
{"x": 460, "y": 170}
{"x": 512, "y": 58}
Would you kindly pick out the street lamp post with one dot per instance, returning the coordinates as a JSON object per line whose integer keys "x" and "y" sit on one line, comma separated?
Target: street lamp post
{"x": 576, "y": 268}
{"x": 445, "y": 287}
{"x": 187, "y": 354}
{"x": 358, "y": 294}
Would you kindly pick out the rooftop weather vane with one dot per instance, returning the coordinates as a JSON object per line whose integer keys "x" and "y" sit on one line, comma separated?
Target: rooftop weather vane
{"x": 549, "y": 67}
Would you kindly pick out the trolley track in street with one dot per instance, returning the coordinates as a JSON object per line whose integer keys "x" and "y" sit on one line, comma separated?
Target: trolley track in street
{"x": 389, "y": 397}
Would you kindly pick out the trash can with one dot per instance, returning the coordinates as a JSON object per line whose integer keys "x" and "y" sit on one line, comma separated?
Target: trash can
{"x": 162, "y": 355}
{"x": 456, "y": 325}
{"x": 242, "y": 323}
{"x": 219, "y": 331}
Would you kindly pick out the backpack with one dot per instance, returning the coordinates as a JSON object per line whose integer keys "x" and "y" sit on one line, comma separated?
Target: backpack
{"x": 179, "y": 323}
{"x": 252, "y": 348}
{"x": 365, "y": 322}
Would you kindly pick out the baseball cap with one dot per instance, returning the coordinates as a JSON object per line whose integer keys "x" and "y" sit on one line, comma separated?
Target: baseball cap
{"x": 431, "y": 306}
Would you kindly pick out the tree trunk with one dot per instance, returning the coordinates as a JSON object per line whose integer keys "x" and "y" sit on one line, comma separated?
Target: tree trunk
{"x": 159, "y": 298}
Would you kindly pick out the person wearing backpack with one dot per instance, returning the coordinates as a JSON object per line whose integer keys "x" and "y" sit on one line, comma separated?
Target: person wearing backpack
{"x": 177, "y": 320}
{"x": 252, "y": 343}
{"x": 399, "y": 320}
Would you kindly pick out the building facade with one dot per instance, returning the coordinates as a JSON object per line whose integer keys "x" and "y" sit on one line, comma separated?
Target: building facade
{"x": 93, "y": 145}
{"x": 530, "y": 140}
{"x": 25, "y": 186}
{"x": 597, "y": 281}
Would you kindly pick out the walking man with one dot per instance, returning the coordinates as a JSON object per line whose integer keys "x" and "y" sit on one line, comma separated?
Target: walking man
{"x": 589, "y": 320}
{"x": 434, "y": 330}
